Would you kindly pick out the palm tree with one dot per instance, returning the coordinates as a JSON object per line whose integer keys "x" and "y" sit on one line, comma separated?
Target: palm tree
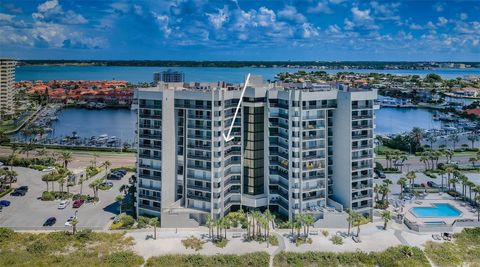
{"x": 65, "y": 157}
{"x": 80, "y": 181}
{"x": 386, "y": 216}
{"x": 472, "y": 137}
{"x": 463, "y": 179}
{"x": 107, "y": 165}
{"x": 308, "y": 220}
{"x": 423, "y": 158}
{"x": 453, "y": 181}
{"x": 431, "y": 139}
{"x": 449, "y": 154}
{"x": 119, "y": 199}
{"x": 74, "y": 223}
{"x": 442, "y": 174}
{"x": 473, "y": 160}
{"x": 210, "y": 224}
{"x": 154, "y": 222}
{"x": 477, "y": 199}
{"x": 61, "y": 181}
{"x": 14, "y": 148}
{"x": 454, "y": 138}
{"x": 416, "y": 135}
{"x": 411, "y": 176}
{"x": 42, "y": 153}
{"x": 27, "y": 148}
{"x": 94, "y": 161}
{"x": 402, "y": 182}
{"x": 350, "y": 219}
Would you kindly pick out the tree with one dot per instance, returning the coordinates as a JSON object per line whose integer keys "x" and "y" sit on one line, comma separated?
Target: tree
{"x": 107, "y": 165}
{"x": 350, "y": 219}
{"x": 27, "y": 148}
{"x": 65, "y": 157}
{"x": 154, "y": 222}
{"x": 94, "y": 186}
{"x": 402, "y": 182}
{"x": 80, "y": 181}
{"x": 416, "y": 137}
{"x": 477, "y": 199}
{"x": 210, "y": 224}
{"x": 386, "y": 216}
{"x": 473, "y": 160}
{"x": 74, "y": 223}
{"x": 453, "y": 181}
{"x": 14, "y": 148}
{"x": 473, "y": 137}
{"x": 61, "y": 181}
{"x": 454, "y": 138}
{"x": 411, "y": 176}
{"x": 431, "y": 139}
{"x": 308, "y": 220}
{"x": 94, "y": 160}
{"x": 119, "y": 199}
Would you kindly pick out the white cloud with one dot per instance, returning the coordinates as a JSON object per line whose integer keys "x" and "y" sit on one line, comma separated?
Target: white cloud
{"x": 333, "y": 29}
{"x": 6, "y": 17}
{"x": 349, "y": 25}
{"x": 442, "y": 21}
{"x": 138, "y": 10}
{"x": 415, "y": 26}
{"x": 309, "y": 31}
{"x": 337, "y": 1}
{"x": 48, "y": 6}
{"x": 266, "y": 17}
{"x": 439, "y": 7}
{"x": 361, "y": 15}
{"x": 52, "y": 11}
{"x": 291, "y": 13}
{"x": 218, "y": 19}
{"x": 463, "y": 16}
{"x": 163, "y": 23}
{"x": 321, "y": 7}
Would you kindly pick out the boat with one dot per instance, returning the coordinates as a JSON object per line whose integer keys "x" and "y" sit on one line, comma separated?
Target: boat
{"x": 100, "y": 105}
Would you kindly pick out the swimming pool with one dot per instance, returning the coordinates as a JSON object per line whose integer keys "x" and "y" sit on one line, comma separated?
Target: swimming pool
{"x": 436, "y": 210}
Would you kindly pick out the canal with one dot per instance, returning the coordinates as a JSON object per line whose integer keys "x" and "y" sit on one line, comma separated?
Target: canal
{"x": 121, "y": 122}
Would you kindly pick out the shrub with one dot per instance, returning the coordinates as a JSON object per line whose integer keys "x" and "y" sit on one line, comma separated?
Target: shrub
{"x": 127, "y": 220}
{"x": 127, "y": 168}
{"x": 260, "y": 259}
{"x": 37, "y": 167}
{"x": 336, "y": 240}
{"x": 325, "y": 233}
{"x": 124, "y": 258}
{"x": 221, "y": 243}
{"x": 5, "y": 233}
{"x": 49, "y": 196}
{"x": 142, "y": 221}
{"x": 193, "y": 243}
{"x": 104, "y": 187}
{"x": 273, "y": 240}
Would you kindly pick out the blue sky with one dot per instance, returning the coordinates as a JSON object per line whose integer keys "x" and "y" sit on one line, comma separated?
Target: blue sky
{"x": 241, "y": 30}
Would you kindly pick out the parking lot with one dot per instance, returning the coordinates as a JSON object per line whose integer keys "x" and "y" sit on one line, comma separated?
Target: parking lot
{"x": 29, "y": 212}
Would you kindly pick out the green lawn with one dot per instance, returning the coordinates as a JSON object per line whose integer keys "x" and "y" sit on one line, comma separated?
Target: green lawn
{"x": 464, "y": 249}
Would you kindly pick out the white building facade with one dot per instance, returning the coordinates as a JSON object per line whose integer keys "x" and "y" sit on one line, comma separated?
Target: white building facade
{"x": 7, "y": 82}
{"x": 296, "y": 148}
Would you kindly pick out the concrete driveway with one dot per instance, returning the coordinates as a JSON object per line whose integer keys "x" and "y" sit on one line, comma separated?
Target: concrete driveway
{"x": 29, "y": 212}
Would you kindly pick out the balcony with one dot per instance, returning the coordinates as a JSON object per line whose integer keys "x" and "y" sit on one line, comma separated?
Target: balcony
{"x": 151, "y": 136}
{"x": 150, "y": 146}
{"x": 362, "y": 166}
{"x": 197, "y": 197}
{"x": 361, "y": 136}
{"x": 149, "y": 156}
{"x": 151, "y": 116}
{"x": 362, "y": 116}
{"x": 155, "y": 198}
{"x": 362, "y": 126}
{"x": 151, "y": 177}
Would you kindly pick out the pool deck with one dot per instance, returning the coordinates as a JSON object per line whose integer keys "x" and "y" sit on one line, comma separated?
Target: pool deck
{"x": 431, "y": 199}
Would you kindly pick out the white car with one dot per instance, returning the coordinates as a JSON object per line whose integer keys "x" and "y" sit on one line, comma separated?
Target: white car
{"x": 49, "y": 169}
{"x": 63, "y": 204}
{"x": 69, "y": 221}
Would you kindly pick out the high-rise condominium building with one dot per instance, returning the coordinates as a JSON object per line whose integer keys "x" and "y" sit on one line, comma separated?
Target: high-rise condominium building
{"x": 7, "y": 80}
{"x": 296, "y": 148}
{"x": 169, "y": 76}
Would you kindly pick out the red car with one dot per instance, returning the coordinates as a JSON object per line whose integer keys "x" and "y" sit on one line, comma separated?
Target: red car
{"x": 77, "y": 203}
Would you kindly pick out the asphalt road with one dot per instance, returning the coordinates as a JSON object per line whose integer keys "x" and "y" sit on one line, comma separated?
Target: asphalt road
{"x": 29, "y": 212}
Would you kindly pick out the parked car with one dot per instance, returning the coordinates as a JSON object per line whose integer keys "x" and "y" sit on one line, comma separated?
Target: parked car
{"x": 114, "y": 176}
{"x": 4, "y": 203}
{"x": 50, "y": 221}
{"x": 48, "y": 169}
{"x": 380, "y": 174}
{"x": 77, "y": 203}
{"x": 23, "y": 188}
{"x": 69, "y": 221}
{"x": 63, "y": 204}
{"x": 433, "y": 184}
{"x": 122, "y": 171}
{"x": 21, "y": 191}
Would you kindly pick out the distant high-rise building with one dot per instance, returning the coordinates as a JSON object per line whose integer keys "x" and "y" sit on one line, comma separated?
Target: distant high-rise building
{"x": 7, "y": 80}
{"x": 289, "y": 147}
{"x": 169, "y": 76}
